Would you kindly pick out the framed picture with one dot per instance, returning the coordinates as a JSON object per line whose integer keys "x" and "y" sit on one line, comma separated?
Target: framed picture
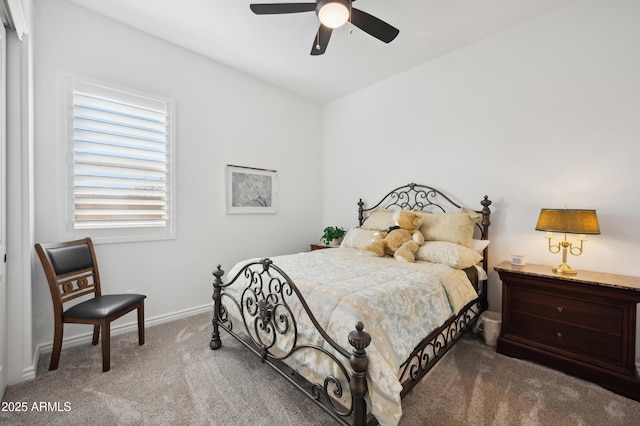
{"x": 251, "y": 190}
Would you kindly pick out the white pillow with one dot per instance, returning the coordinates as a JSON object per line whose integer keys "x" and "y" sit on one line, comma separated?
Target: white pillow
{"x": 480, "y": 245}
{"x": 447, "y": 253}
{"x": 358, "y": 238}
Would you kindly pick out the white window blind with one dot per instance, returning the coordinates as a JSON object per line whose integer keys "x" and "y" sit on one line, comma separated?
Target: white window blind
{"x": 121, "y": 159}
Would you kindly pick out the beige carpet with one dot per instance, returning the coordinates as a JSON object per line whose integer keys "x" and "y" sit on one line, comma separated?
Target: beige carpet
{"x": 175, "y": 379}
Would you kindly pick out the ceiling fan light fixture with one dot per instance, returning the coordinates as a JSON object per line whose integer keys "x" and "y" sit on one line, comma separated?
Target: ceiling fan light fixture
{"x": 333, "y": 13}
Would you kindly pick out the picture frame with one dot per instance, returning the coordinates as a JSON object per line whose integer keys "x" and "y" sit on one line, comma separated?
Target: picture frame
{"x": 251, "y": 190}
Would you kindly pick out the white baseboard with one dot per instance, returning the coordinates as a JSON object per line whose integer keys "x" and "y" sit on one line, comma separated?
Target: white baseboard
{"x": 30, "y": 372}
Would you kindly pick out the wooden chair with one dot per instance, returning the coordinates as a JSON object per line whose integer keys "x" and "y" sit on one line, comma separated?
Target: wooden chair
{"x": 72, "y": 272}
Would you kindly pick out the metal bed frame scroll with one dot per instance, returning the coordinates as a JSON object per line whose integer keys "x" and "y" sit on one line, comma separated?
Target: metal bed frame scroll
{"x": 274, "y": 334}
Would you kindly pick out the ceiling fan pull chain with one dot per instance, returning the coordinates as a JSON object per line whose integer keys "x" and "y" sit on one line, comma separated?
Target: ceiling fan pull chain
{"x": 350, "y": 23}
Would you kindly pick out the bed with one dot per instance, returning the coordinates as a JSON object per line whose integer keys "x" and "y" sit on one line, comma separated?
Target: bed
{"x": 352, "y": 332}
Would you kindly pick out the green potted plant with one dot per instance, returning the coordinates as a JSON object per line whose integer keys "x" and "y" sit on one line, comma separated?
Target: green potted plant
{"x": 332, "y": 235}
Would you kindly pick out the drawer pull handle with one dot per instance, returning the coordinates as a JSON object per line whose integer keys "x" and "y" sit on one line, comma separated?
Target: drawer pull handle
{"x": 560, "y": 309}
{"x": 559, "y": 335}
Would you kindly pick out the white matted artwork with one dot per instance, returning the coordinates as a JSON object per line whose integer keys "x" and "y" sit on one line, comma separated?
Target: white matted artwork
{"x": 251, "y": 190}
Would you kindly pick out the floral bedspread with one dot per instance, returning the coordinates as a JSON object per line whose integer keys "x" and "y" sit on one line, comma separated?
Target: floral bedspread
{"x": 398, "y": 303}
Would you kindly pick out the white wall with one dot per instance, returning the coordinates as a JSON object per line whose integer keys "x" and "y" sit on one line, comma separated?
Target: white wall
{"x": 223, "y": 117}
{"x": 543, "y": 115}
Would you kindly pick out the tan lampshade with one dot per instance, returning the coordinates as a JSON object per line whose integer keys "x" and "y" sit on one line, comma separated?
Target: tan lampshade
{"x": 569, "y": 221}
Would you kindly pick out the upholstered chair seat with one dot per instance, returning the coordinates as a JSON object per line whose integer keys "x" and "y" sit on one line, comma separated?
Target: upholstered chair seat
{"x": 101, "y": 307}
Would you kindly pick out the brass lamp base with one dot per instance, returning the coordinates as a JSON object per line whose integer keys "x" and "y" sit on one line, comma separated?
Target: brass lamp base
{"x": 564, "y": 269}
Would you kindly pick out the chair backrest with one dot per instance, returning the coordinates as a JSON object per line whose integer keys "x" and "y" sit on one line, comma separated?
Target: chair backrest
{"x": 71, "y": 270}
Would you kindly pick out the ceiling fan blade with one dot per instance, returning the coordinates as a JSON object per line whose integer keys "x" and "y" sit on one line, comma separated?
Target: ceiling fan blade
{"x": 321, "y": 41}
{"x": 278, "y": 8}
{"x": 373, "y": 26}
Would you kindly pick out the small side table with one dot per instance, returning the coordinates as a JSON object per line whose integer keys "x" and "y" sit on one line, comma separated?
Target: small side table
{"x": 320, "y": 246}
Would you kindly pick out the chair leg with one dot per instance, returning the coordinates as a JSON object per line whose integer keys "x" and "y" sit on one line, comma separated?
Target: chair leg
{"x": 57, "y": 345}
{"x": 106, "y": 346}
{"x": 96, "y": 333}
{"x": 141, "y": 323}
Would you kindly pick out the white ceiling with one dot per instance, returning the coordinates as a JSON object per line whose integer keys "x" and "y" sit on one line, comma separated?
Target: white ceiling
{"x": 275, "y": 48}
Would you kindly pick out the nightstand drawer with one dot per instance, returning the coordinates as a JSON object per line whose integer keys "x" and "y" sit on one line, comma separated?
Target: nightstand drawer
{"x": 567, "y": 337}
{"x": 600, "y": 317}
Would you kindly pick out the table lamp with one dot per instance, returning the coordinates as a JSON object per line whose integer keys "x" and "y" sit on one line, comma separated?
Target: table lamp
{"x": 567, "y": 221}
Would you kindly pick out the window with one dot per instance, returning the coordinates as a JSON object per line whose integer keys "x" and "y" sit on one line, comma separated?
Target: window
{"x": 120, "y": 151}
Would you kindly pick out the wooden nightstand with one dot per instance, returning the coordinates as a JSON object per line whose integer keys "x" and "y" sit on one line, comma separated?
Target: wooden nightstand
{"x": 584, "y": 324}
{"x": 320, "y": 246}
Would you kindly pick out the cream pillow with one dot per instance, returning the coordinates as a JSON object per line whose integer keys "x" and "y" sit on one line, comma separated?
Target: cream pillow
{"x": 447, "y": 253}
{"x": 457, "y": 228}
{"x": 379, "y": 219}
{"x": 358, "y": 238}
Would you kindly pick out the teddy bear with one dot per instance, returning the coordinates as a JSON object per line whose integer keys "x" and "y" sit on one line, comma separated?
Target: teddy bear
{"x": 401, "y": 241}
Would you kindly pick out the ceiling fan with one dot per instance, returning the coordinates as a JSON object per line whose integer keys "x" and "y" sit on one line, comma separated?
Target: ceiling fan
{"x": 332, "y": 14}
